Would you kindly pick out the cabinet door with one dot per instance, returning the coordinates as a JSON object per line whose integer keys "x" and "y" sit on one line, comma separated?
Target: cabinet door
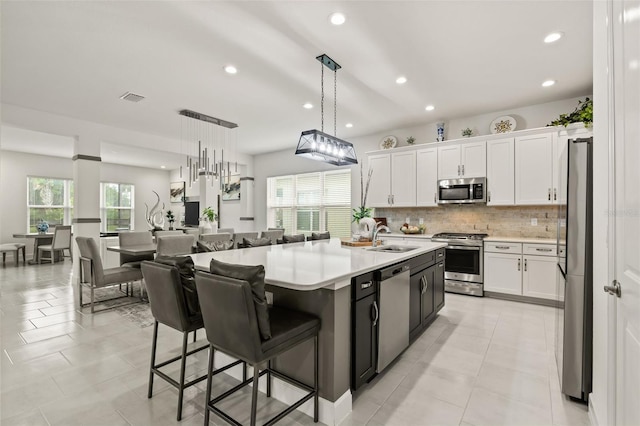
{"x": 539, "y": 276}
{"x": 415, "y": 303}
{"x": 380, "y": 185}
{"x": 364, "y": 341}
{"x": 449, "y": 162}
{"x": 500, "y": 172}
{"x": 503, "y": 273}
{"x": 473, "y": 158}
{"x": 427, "y": 293}
{"x": 534, "y": 175}
{"x": 438, "y": 286}
{"x": 427, "y": 177}
{"x": 403, "y": 179}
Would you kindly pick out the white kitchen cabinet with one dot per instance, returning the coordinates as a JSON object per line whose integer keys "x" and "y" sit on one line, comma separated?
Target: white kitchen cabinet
{"x": 539, "y": 276}
{"x": 534, "y": 169}
{"x": 501, "y": 172}
{"x": 427, "y": 177}
{"x": 462, "y": 160}
{"x": 380, "y": 184}
{"x": 510, "y": 269}
{"x": 393, "y": 182}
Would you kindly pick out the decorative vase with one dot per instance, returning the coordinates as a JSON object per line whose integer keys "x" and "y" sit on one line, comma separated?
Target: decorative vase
{"x": 204, "y": 227}
{"x": 42, "y": 227}
{"x": 440, "y": 127}
{"x": 367, "y": 226}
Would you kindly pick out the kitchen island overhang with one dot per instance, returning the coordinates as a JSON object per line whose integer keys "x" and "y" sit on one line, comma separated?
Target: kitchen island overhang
{"x": 315, "y": 277}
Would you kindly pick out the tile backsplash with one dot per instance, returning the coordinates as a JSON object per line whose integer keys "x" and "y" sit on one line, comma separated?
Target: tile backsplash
{"x": 508, "y": 221}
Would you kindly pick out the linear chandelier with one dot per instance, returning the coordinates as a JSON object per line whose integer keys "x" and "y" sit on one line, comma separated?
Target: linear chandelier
{"x": 204, "y": 140}
{"x": 318, "y": 145}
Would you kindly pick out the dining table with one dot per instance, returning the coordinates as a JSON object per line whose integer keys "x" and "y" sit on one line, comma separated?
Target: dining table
{"x": 39, "y": 239}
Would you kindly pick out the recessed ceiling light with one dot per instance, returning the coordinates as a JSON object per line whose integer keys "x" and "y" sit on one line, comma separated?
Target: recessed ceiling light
{"x": 337, "y": 18}
{"x": 430, "y": 108}
{"x": 163, "y": 167}
{"x": 230, "y": 69}
{"x": 349, "y": 125}
{"x": 553, "y": 37}
{"x": 548, "y": 83}
{"x": 307, "y": 106}
{"x": 401, "y": 80}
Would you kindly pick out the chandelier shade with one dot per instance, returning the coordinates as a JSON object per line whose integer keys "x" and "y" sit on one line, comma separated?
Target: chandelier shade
{"x": 318, "y": 145}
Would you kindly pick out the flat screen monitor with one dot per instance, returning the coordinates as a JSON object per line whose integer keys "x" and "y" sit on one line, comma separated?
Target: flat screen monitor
{"x": 191, "y": 213}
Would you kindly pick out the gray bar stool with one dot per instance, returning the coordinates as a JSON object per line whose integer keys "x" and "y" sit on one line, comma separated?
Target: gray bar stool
{"x": 169, "y": 307}
{"x": 230, "y": 301}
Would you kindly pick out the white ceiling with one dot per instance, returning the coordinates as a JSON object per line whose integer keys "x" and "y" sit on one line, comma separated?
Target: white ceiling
{"x": 465, "y": 57}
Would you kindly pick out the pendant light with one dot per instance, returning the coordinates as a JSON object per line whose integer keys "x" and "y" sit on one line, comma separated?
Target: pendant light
{"x": 318, "y": 145}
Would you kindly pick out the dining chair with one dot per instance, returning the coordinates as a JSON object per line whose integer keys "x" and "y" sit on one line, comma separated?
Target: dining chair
{"x": 172, "y": 245}
{"x": 165, "y": 233}
{"x": 94, "y": 276}
{"x": 61, "y": 242}
{"x": 129, "y": 239}
{"x": 273, "y": 235}
{"x": 320, "y": 236}
{"x": 225, "y": 231}
{"x": 237, "y": 238}
{"x": 296, "y": 238}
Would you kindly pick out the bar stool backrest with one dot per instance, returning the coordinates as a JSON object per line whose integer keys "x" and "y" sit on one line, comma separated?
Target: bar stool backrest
{"x": 89, "y": 250}
{"x": 172, "y": 245}
{"x": 166, "y": 297}
{"x": 128, "y": 239}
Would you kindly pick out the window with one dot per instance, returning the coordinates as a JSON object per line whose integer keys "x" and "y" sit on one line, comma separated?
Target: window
{"x": 311, "y": 202}
{"x": 49, "y": 200}
{"x": 116, "y": 206}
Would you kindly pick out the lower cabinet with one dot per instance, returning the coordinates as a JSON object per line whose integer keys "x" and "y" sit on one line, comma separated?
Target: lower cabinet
{"x": 364, "y": 329}
{"x": 426, "y": 291}
{"x": 509, "y": 268}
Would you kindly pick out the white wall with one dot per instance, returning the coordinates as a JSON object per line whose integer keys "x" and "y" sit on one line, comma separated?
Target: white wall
{"x": 16, "y": 166}
{"x": 285, "y": 162}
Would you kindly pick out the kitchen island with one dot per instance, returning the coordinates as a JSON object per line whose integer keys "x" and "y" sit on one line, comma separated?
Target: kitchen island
{"x": 316, "y": 277}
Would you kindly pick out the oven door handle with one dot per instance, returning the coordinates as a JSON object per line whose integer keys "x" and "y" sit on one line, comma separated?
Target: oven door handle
{"x": 474, "y": 248}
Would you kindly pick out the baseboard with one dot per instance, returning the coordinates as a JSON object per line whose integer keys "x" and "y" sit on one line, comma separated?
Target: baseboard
{"x": 329, "y": 413}
{"x": 593, "y": 411}
{"x": 524, "y": 299}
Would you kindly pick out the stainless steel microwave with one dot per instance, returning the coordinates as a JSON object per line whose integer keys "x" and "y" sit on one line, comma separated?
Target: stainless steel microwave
{"x": 462, "y": 191}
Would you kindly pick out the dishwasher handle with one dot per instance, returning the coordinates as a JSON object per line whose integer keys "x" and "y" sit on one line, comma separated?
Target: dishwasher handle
{"x": 392, "y": 271}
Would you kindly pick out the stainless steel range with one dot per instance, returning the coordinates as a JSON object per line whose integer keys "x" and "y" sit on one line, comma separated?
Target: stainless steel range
{"x": 463, "y": 269}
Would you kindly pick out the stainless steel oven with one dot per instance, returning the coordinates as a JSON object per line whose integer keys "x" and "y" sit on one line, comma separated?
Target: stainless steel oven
{"x": 464, "y": 265}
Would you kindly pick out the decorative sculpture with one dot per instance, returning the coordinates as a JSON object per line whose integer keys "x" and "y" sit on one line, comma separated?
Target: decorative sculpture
{"x": 155, "y": 216}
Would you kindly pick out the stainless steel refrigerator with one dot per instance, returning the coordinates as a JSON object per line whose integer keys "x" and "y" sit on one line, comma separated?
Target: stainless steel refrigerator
{"x": 574, "y": 322}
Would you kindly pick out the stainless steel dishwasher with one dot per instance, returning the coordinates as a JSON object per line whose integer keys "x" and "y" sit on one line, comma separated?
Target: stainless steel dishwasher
{"x": 393, "y": 336}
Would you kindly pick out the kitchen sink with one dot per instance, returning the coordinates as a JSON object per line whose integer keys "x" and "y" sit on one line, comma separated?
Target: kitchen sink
{"x": 393, "y": 248}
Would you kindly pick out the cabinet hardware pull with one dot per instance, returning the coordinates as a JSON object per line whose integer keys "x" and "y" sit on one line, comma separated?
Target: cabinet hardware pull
{"x": 366, "y": 284}
{"x": 441, "y": 265}
{"x": 555, "y": 195}
{"x": 489, "y": 196}
{"x": 463, "y": 170}
{"x": 422, "y": 285}
{"x": 544, "y": 249}
{"x": 458, "y": 169}
{"x": 525, "y": 265}
{"x": 518, "y": 264}
{"x": 375, "y": 308}
{"x": 502, "y": 247}
{"x": 440, "y": 254}
{"x": 549, "y": 194}
{"x": 435, "y": 195}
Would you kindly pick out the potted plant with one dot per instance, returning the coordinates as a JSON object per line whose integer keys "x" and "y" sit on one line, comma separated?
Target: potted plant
{"x": 467, "y": 132}
{"x": 362, "y": 215}
{"x": 210, "y": 213}
{"x": 582, "y": 114}
{"x": 411, "y": 140}
{"x": 171, "y": 218}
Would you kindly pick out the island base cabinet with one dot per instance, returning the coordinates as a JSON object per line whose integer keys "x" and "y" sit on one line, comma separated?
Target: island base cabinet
{"x": 364, "y": 330}
{"x": 438, "y": 284}
{"x": 426, "y": 293}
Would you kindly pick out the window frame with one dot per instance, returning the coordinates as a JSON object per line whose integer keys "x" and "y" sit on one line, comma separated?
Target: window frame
{"x": 67, "y": 206}
{"x": 104, "y": 208}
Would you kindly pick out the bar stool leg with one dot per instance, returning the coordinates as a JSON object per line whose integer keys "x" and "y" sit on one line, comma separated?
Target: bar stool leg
{"x": 269, "y": 378}
{"x": 183, "y": 365}
{"x": 153, "y": 358}
{"x": 209, "y": 384}
{"x": 254, "y": 394}
{"x": 315, "y": 378}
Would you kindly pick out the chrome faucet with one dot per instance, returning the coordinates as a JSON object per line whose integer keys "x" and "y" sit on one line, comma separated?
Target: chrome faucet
{"x": 379, "y": 227}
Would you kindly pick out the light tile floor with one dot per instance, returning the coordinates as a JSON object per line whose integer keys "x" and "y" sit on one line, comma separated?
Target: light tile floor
{"x": 482, "y": 362}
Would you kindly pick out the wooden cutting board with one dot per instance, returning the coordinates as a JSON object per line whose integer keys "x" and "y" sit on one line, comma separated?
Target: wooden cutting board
{"x": 348, "y": 242}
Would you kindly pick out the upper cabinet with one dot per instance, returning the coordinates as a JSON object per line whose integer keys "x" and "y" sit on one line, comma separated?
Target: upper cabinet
{"x": 427, "y": 177}
{"x": 393, "y": 182}
{"x": 500, "y": 172}
{"x": 535, "y": 164}
{"x": 462, "y": 160}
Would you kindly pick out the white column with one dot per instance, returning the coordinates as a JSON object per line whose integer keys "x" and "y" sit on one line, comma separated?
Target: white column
{"x": 86, "y": 196}
{"x": 209, "y": 190}
{"x": 246, "y": 200}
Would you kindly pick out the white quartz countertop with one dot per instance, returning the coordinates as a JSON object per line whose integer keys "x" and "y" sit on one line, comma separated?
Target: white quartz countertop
{"x": 520, "y": 240}
{"x": 314, "y": 264}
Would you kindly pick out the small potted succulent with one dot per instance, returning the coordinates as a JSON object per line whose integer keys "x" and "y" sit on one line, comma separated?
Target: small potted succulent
{"x": 170, "y": 218}
{"x": 467, "y": 132}
{"x": 411, "y": 140}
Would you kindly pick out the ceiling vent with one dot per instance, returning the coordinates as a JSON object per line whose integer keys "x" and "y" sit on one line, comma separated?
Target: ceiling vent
{"x": 132, "y": 97}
